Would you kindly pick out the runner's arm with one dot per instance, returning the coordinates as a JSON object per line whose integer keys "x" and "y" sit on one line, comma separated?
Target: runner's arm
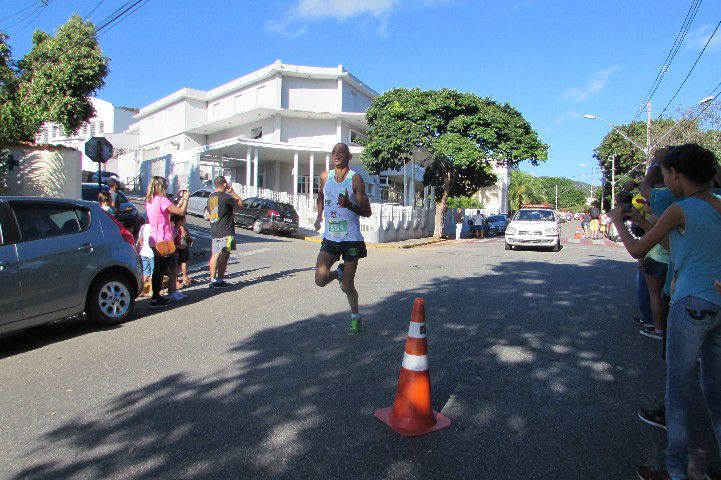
{"x": 320, "y": 201}
{"x": 363, "y": 208}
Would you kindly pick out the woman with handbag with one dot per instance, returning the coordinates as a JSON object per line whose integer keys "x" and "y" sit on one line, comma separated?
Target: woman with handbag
{"x": 157, "y": 210}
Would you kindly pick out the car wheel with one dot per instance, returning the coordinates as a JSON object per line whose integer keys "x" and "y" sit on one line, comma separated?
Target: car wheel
{"x": 110, "y": 299}
{"x": 258, "y": 226}
{"x": 509, "y": 247}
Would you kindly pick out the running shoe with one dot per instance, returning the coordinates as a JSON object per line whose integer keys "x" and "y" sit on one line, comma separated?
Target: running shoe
{"x": 650, "y": 332}
{"x": 340, "y": 273}
{"x": 655, "y": 418}
{"x": 642, "y": 322}
{"x": 160, "y": 302}
{"x": 645, "y": 472}
{"x": 355, "y": 326}
{"x": 221, "y": 284}
{"x": 177, "y": 296}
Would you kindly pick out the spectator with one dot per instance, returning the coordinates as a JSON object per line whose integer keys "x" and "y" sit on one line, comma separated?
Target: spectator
{"x": 160, "y": 236}
{"x": 594, "y": 213}
{"x": 106, "y": 203}
{"x": 459, "y": 222}
{"x": 183, "y": 242}
{"x": 585, "y": 221}
{"x": 146, "y": 257}
{"x": 479, "y": 224}
{"x": 222, "y": 229}
{"x": 694, "y": 322}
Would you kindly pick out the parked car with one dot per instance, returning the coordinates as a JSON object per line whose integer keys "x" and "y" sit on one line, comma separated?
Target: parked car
{"x": 60, "y": 258}
{"x": 534, "y": 227}
{"x": 127, "y": 213}
{"x": 198, "y": 201}
{"x": 499, "y": 222}
{"x": 262, "y": 214}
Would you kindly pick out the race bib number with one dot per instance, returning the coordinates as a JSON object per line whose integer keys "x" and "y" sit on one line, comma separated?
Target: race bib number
{"x": 338, "y": 228}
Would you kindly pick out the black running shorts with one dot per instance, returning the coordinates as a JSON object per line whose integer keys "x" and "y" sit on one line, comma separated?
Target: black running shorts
{"x": 348, "y": 250}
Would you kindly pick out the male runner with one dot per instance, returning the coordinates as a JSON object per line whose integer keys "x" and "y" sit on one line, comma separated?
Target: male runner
{"x": 342, "y": 200}
{"x": 222, "y": 229}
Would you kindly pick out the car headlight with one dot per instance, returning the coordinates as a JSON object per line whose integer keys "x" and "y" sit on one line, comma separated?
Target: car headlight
{"x": 550, "y": 231}
{"x": 510, "y": 230}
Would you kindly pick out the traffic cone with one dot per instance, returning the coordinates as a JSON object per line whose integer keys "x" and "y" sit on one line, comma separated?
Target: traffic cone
{"x": 578, "y": 232}
{"x": 411, "y": 413}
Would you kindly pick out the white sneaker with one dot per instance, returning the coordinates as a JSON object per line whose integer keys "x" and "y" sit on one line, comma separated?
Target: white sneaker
{"x": 177, "y": 296}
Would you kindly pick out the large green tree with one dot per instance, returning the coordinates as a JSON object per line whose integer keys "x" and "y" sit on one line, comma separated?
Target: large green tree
{"x": 525, "y": 188}
{"x": 51, "y": 83}
{"x": 462, "y": 133}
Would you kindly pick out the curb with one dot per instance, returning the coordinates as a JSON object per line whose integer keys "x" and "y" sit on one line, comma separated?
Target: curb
{"x": 386, "y": 246}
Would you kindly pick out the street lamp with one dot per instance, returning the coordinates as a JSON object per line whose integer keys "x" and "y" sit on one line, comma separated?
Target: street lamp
{"x": 596, "y": 117}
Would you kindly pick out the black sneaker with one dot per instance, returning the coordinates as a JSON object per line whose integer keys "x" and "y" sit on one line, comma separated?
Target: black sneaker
{"x": 642, "y": 323}
{"x": 160, "y": 302}
{"x": 220, "y": 284}
{"x": 655, "y": 418}
{"x": 650, "y": 332}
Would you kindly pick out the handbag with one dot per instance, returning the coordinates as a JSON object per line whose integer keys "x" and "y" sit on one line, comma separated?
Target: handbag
{"x": 165, "y": 248}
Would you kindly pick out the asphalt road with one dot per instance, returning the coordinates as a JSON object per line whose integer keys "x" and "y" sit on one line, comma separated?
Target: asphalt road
{"x": 533, "y": 355}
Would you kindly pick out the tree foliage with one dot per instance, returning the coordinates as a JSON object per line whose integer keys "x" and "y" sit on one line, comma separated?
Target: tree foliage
{"x": 525, "y": 188}
{"x": 463, "y": 202}
{"x": 462, "y": 133}
{"x": 51, "y": 83}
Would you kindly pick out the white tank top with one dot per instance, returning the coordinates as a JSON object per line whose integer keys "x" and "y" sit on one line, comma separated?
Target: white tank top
{"x": 341, "y": 225}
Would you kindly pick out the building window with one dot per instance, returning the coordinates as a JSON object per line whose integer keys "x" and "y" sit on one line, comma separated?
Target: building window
{"x": 215, "y": 110}
{"x": 260, "y": 95}
{"x": 85, "y": 128}
{"x": 239, "y": 102}
{"x": 304, "y": 183}
{"x": 55, "y": 131}
{"x": 101, "y": 126}
{"x": 92, "y": 129}
{"x": 356, "y": 138}
{"x": 256, "y": 133}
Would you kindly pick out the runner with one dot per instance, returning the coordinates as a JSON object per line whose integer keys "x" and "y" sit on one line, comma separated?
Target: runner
{"x": 222, "y": 229}
{"x": 342, "y": 201}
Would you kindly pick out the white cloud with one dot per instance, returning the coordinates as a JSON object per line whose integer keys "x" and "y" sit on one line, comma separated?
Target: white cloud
{"x": 296, "y": 20}
{"x": 565, "y": 116}
{"x": 594, "y": 86}
{"x": 698, "y": 38}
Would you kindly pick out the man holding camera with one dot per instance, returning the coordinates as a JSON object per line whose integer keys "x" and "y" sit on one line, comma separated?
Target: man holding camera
{"x": 342, "y": 201}
{"x": 222, "y": 230}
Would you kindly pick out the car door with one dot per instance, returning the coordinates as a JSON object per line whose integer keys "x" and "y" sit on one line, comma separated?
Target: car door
{"x": 10, "y": 304}
{"x": 57, "y": 252}
{"x": 243, "y": 213}
{"x": 197, "y": 202}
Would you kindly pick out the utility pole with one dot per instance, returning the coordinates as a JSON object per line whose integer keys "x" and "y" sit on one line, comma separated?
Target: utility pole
{"x": 556, "y": 197}
{"x": 648, "y": 132}
{"x": 613, "y": 181}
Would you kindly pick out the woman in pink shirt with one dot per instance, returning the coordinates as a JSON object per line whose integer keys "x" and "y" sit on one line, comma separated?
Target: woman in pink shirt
{"x": 157, "y": 210}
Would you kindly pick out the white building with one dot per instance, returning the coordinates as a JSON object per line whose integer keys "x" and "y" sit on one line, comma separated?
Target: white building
{"x": 269, "y": 132}
{"x": 495, "y": 197}
{"x": 109, "y": 121}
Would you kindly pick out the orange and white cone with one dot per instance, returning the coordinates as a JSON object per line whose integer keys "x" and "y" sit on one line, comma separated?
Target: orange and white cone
{"x": 411, "y": 413}
{"x": 578, "y": 232}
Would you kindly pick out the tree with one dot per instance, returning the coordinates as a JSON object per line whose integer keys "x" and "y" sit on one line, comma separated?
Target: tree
{"x": 525, "y": 188}
{"x": 463, "y": 202}
{"x": 51, "y": 83}
{"x": 462, "y": 133}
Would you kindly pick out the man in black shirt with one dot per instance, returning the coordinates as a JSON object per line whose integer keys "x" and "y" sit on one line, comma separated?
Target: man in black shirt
{"x": 222, "y": 229}
{"x": 595, "y": 214}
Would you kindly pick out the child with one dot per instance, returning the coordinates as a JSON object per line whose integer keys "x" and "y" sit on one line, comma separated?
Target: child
{"x": 146, "y": 256}
{"x": 183, "y": 241}
{"x": 105, "y": 204}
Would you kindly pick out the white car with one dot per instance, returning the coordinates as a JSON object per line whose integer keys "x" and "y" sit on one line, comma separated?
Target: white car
{"x": 534, "y": 227}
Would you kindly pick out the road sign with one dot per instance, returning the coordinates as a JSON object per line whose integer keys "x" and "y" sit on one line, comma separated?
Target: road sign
{"x": 99, "y": 149}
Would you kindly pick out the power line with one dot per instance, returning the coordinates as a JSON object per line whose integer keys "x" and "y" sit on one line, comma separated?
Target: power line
{"x": 121, "y": 17}
{"x": 32, "y": 20}
{"x": 39, "y": 6}
{"x": 680, "y": 37}
{"x": 692, "y": 67}
{"x": 94, "y": 8}
{"x": 32, "y": 4}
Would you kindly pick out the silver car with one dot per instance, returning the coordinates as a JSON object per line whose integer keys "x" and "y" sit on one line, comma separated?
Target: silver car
{"x": 60, "y": 258}
{"x": 198, "y": 202}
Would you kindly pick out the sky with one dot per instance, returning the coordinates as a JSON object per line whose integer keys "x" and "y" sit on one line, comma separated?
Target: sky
{"x": 553, "y": 60}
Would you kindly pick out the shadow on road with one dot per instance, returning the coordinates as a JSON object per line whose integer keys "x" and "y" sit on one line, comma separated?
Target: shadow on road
{"x": 536, "y": 387}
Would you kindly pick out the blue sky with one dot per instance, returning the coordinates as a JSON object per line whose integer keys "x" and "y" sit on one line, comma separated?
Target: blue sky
{"x": 554, "y": 60}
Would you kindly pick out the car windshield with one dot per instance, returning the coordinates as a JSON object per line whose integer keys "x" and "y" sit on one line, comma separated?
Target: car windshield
{"x": 535, "y": 215}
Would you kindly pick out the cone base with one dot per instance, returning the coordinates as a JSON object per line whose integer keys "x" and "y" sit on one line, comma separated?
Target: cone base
{"x": 384, "y": 415}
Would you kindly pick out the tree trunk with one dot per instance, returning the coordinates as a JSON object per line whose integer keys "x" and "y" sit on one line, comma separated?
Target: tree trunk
{"x": 441, "y": 206}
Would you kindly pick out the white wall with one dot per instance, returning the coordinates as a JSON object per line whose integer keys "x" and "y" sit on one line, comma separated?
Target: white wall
{"x": 354, "y": 100}
{"x": 263, "y": 94}
{"x": 310, "y": 95}
{"x": 302, "y": 131}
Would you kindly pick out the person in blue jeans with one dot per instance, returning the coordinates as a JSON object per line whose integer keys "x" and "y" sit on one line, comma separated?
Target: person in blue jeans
{"x": 693, "y": 226}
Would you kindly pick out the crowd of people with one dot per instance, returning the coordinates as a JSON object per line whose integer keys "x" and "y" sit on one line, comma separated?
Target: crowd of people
{"x": 673, "y": 227}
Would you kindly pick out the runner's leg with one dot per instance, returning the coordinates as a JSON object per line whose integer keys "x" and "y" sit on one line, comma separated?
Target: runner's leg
{"x": 348, "y": 284}
{"x": 223, "y": 263}
{"x": 323, "y": 264}
{"x": 213, "y": 265}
